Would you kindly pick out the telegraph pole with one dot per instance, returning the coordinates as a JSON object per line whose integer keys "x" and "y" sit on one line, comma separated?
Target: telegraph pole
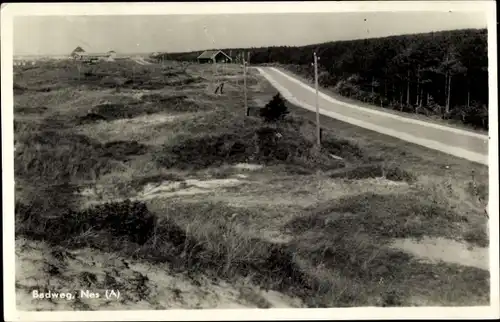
{"x": 247, "y": 111}
{"x": 214, "y": 58}
{"x": 214, "y": 72}
{"x": 318, "y": 127}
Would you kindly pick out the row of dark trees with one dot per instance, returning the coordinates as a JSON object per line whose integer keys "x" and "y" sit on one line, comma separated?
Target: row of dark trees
{"x": 443, "y": 73}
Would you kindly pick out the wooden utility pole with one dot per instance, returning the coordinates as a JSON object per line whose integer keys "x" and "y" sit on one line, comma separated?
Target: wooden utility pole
{"x": 247, "y": 111}
{"x": 214, "y": 72}
{"x": 213, "y": 59}
{"x": 318, "y": 127}
{"x": 79, "y": 70}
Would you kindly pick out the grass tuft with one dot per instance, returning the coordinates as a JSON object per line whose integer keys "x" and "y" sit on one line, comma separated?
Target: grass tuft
{"x": 385, "y": 217}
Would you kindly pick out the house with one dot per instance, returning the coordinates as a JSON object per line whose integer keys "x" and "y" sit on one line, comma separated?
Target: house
{"x": 80, "y": 54}
{"x": 77, "y": 52}
{"x": 111, "y": 54}
{"x": 210, "y": 56}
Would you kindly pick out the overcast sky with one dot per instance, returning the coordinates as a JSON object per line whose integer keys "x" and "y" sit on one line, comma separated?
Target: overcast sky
{"x": 57, "y": 35}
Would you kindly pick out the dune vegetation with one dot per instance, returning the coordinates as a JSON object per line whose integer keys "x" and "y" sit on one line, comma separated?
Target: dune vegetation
{"x": 140, "y": 178}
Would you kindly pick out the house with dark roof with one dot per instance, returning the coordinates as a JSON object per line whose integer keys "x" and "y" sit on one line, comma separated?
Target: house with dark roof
{"x": 77, "y": 52}
{"x": 81, "y": 54}
{"x": 210, "y": 56}
{"x": 111, "y": 54}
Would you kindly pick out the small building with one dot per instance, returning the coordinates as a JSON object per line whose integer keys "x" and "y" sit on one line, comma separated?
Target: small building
{"x": 94, "y": 57}
{"x": 210, "y": 56}
{"x": 80, "y": 54}
{"x": 77, "y": 52}
{"x": 111, "y": 54}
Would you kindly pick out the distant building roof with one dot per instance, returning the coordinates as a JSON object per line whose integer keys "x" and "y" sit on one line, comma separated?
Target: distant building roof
{"x": 207, "y": 54}
{"x": 78, "y": 50}
{"x": 94, "y": 54}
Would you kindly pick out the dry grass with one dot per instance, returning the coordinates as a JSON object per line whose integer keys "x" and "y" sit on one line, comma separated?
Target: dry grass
{"x": 338, "y": 208}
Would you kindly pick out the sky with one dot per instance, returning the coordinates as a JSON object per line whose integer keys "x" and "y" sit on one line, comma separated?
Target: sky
{"x": 59, "y": 35}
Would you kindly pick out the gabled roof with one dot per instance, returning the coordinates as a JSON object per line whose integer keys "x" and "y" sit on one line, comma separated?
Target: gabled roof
{"x": 211, "y": 54}
{"x": 78, "y": 50}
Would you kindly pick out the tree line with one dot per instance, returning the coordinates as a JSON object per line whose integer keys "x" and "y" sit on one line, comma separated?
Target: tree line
{"x": 442, "y": 74}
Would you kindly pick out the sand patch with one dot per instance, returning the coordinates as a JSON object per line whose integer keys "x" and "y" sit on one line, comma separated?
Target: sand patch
{"x": 149, "y": 119}
{"x": 268, "y": 299}
{"x": 165, "y": 186}
{"x": 214, "y": 183}
{"x": 135, "y": 93}
{"x": 259, "y": 102}
{"x": 275, "y": 236}
{"x": 280, "y": 300}
{"x": 98, "y": 194}
{"x": 274, "y": 191}
{"x": 185, "y": 188}
{"x": 248, "y": 166}
{"x": 148, "y": 128}
{"x": 444, "y": 250}
{"x": 142, "y": 285}
{"x": 159, "y": 193}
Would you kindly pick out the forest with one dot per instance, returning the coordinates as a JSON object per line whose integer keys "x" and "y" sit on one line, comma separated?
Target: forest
{"x": 439, "y": 74}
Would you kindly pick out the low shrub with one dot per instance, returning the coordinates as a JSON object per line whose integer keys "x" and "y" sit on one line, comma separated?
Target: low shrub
{"x": 53, "y": 156}
{"x": 30, "y": 109}
{"x": 275, "y": 110}
{"x": 130, "y": 220}
{"x": 384, "y": 217}
{"x": 120, "y": 150}
{"x": 242, "y": 139}
{"x": 18, "y": 89}
{"x": 150, "y": 104}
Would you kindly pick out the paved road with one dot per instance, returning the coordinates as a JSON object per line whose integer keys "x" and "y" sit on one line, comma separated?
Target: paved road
{"x": 464, "y": 144}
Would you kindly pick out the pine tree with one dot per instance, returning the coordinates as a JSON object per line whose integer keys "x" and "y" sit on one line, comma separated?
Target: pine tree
{"x": 275, "y": 110}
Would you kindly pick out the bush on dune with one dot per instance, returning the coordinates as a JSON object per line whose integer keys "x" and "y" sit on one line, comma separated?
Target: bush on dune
{"x": 30, "y": 109}
{"x": 226, "y": 136}
{"x": 130, "y": 220}
{"x": 120, "y": 150}
{"x": 132, "y": 230}
{"x": 172, "y": 103}
{"x": 149, "y": 104}
{"x": 52, "y": 157}
{"x": 275, "y": 110}
{"x": 55, "y": 157}
{"x": 113, "y": 111}
{"x": 230, "y": 142}
{"x": 385, "y": 217}
{"x": 202, "y": 151}
{"x": 18, "y": 89}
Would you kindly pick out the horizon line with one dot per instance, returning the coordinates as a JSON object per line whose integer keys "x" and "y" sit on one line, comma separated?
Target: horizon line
{"x": 264, "y": 46}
